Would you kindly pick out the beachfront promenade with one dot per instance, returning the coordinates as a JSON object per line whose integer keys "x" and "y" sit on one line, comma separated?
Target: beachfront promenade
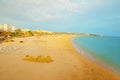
{"x": 67, "y": 63}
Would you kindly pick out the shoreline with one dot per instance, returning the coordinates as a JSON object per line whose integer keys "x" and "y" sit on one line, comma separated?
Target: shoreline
{"x": 67, "y": 63}
{"x": 92, "y": 58}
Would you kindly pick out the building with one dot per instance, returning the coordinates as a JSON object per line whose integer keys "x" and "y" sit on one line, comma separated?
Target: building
{"x": 7, "y": 28}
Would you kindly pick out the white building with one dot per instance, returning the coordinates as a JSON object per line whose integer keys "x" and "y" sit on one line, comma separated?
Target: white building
{"x": 6, "y": 27}
{"x": 13, "y": 28}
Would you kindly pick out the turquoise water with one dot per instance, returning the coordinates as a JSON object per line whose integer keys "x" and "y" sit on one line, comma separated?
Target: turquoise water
{"x": 104, "y": 49}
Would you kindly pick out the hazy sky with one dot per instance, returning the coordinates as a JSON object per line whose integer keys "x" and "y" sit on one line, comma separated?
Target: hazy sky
{"x": 83, "y": 16}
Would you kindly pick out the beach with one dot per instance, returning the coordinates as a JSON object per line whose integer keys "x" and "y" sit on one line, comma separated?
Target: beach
{"x": 67, "y": 63}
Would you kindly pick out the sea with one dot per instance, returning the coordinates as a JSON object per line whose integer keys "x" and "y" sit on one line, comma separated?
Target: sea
{"x": 104, "y": 51}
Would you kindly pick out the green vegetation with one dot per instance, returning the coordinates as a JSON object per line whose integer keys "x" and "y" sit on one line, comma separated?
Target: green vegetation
{"x": 27, "y": 33}
{"x": 42, "y": 59}
{"x": 4, "y": 35}
{"x": 9, "y": 40}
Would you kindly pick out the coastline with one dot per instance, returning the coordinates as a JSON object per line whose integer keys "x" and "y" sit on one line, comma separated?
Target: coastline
{"x": 92, "y": 58}
{"x": 67, "y": 63}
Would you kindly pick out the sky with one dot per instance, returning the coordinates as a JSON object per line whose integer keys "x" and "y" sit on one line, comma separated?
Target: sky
{"x": 81, "y": 16}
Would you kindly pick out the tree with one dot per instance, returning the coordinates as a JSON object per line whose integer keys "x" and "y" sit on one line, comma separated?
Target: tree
{"x": 18, "y": 32}
{"x": 30, "y": 33}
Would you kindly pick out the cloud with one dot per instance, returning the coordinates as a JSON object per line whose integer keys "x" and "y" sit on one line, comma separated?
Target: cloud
{"x": 40, "y": 10}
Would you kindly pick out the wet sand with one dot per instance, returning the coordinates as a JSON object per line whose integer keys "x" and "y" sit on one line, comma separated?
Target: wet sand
{"x": 67, "y": 63}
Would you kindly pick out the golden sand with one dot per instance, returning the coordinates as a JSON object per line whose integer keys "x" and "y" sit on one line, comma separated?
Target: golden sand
{"x": 67, "y": 63}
